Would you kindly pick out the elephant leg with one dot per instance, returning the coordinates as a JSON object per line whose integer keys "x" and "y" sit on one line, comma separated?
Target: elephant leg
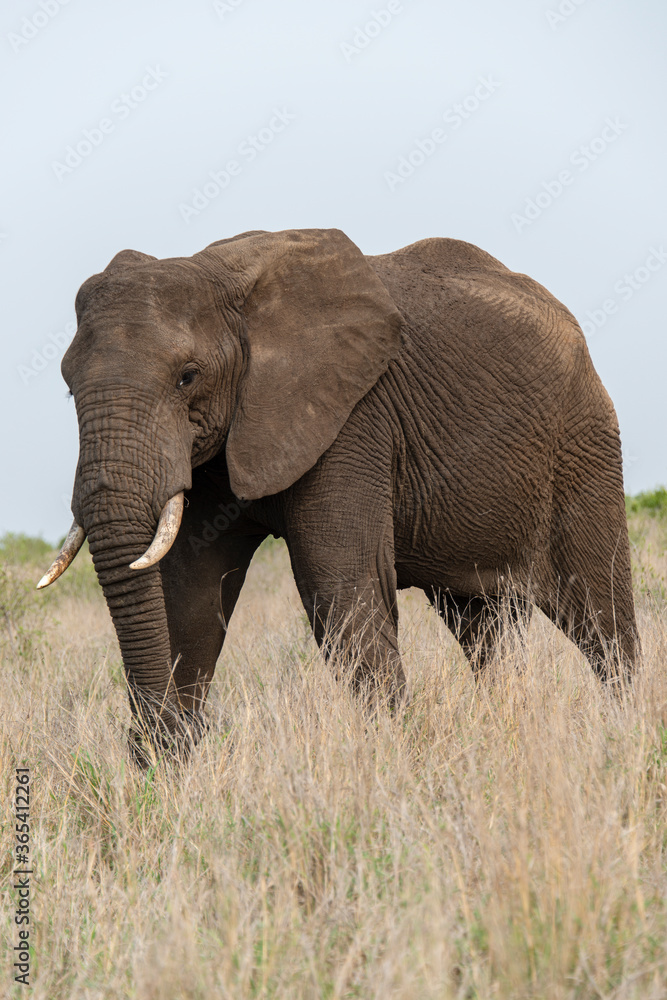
{"x": 478, "y": 622}
{"x": 591, "y": 598}
{"x": 202, "y": 576}
{"x": 590, "y": 593}
{"x": 599, "y": 626}
{"x": 355, "y": 629}
{"x": 351, "y": 604}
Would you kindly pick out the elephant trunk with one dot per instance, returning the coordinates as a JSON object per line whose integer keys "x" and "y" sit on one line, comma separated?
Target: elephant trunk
{"x": 136, "y": 604}
{"x": 121, "y": 488}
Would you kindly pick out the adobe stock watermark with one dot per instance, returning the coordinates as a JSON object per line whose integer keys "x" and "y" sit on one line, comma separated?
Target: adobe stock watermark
{"x": 582, "y": 158}
{"x": 558, "y": 15}
{"x": 42, "y": 358}
{"x": 121, "y": 108}
{"x": 629, "y": 459}
{"x": 376, "y": 24}
{"x": 454, "y": 117}
{"x": 213, "y": 529}
{"x": 23, "y": 869}
{"x": 625, "y": 288}
{"x": 224, "y": 7}
{"x": 34, "y": 23}
{"x": 247, "y": 151}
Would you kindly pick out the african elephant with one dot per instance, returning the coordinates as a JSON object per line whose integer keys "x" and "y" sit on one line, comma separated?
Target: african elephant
{"x": 425, "y": 418}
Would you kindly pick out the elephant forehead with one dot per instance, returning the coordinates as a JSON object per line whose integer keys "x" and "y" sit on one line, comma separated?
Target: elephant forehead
{"x": 147, "y": 293}
{"x": 135, "y": 335}
{"x": 131, "y": 312}
{"x": 135, "y": 346}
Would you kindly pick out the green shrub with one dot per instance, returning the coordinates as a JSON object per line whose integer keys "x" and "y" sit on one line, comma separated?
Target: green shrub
{"x": 35, "y": 555}
{"x": 20, "y": 549}
{"x": 652, "y": 501}
{"x": 18, "y": 599}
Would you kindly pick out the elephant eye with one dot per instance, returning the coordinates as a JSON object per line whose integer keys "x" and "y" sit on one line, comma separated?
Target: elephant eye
{"x": 187, "y": 378}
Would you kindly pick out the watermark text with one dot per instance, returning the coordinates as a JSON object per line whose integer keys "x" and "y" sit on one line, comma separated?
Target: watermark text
{"x": 581, "y": 158}
{"x": 364, "y": 34}
{"x": 22, "y": 872}
{"x": 40, "y": 359}
{"x": 36, "y": 22}
{"x": 426, "y": 146}
{"x": 121, "y": 108}
{"x": 624, "y": 288}
{"x": 247, "y": 151}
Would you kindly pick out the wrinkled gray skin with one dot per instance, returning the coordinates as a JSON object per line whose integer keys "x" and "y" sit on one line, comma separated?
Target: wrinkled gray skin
{"x": 423, "y": 418}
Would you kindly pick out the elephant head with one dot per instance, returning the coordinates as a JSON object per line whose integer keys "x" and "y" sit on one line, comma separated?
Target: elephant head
{"x": 259, "y": 346}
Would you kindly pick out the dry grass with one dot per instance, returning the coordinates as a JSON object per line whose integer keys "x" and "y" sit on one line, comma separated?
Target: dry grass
{"x": 501, "y": 841}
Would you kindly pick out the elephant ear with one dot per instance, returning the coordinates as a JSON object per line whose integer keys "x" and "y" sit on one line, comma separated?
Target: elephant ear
{"x": 321, "y": 329}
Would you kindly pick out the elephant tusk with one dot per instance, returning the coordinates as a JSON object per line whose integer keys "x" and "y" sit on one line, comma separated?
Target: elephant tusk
{"x": 165, "y": 536}
{"x": 75, "y": 539}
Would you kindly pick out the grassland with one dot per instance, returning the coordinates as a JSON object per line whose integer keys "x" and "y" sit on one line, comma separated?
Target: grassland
{"x": 501, "y": 841}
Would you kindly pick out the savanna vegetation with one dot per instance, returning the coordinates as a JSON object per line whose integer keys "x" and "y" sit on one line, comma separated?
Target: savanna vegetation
{"x": 505, "y": 840}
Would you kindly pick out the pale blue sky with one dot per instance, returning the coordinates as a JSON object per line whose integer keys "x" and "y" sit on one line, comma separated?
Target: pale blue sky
{"x": 335, "y": 112}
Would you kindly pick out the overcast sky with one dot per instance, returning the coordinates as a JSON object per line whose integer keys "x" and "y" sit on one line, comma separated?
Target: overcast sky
{"x": 532, "y": 128}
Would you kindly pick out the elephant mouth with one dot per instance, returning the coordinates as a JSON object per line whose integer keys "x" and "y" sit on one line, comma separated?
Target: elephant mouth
{"x": 165, "y": 536}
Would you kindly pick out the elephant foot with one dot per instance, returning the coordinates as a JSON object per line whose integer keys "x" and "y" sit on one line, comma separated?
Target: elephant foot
{"x": 151, "y": 741}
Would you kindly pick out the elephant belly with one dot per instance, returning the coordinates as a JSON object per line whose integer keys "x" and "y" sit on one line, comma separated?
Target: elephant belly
{"x": 465, "y": 536}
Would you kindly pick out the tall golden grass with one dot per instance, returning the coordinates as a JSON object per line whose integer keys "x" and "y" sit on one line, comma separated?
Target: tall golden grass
{"x": 501, "y": 840}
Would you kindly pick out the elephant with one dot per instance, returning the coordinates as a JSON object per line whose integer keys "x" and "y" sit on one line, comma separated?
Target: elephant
{"x": 422, "y": 418}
